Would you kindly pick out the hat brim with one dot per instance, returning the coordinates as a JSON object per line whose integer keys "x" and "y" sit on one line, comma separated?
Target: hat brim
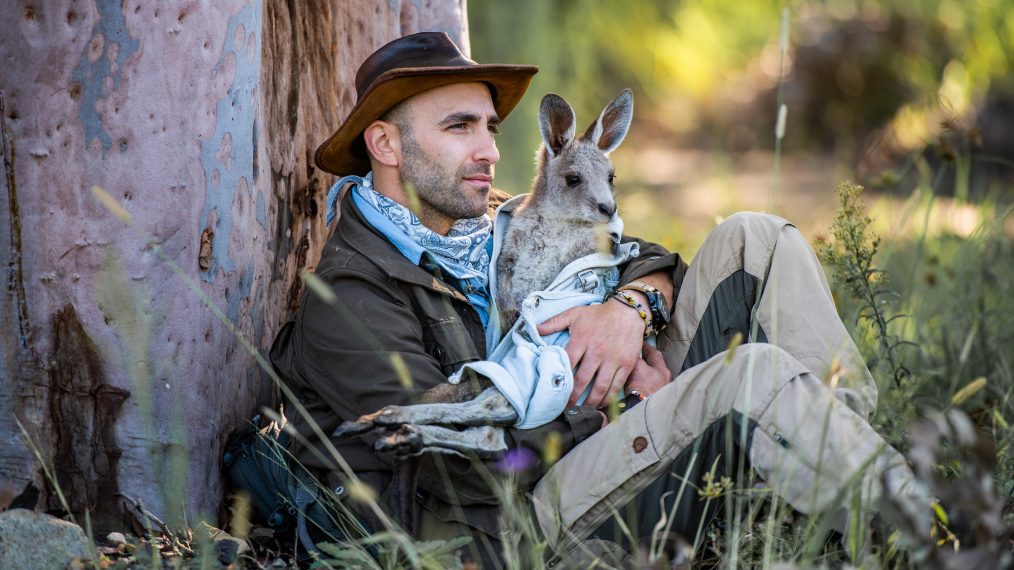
{"x": 344, "y": 152}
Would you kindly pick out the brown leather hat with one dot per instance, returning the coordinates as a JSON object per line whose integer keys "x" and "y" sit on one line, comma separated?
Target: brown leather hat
{"x": 406, "y": 67}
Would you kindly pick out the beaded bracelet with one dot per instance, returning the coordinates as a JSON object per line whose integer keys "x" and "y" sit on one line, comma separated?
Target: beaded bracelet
{"x": 656, "y": 303}
{"x": 629, "y": 300}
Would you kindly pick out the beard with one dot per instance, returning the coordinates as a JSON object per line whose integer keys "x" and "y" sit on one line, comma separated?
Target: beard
{"x": 440, "y": 191}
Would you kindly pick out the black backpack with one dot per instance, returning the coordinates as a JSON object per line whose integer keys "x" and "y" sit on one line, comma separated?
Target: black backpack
{"x": 284, "y": 495}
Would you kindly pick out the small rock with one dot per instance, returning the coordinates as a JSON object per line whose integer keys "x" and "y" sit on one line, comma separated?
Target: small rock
{"x": 37, "y": 540}
{"x": 227, "y": 551}
{"x": 116, "y": 538}
{"x": 259, "y": 533}
{"x": 218, "y": 536}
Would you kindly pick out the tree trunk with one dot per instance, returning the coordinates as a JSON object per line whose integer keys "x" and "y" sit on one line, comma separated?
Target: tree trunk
{"x": 201, "y": 121}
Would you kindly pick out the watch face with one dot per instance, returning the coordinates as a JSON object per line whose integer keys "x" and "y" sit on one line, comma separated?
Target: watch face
{"x": 663, "y": 309}
{"x": 659, "y": 310}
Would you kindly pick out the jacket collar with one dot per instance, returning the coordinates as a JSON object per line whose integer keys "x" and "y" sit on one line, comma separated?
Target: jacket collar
{"x": 359, "y": 235}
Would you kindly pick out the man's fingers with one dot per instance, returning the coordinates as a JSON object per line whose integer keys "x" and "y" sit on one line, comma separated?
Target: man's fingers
{"x": 558, "y": 323}
{"x": 608, "y": 383}
{"x": 575, "y": 353}
{"x": 582, "y": 377}
{"x": 619, "y": 380}
{"x": 655, "y": 360}
{"x": 598, "y": 391}
{"x": 652, "y": 355}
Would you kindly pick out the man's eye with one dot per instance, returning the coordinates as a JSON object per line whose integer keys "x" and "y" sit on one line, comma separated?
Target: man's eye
{"x": 573, "y": 180}
{"x": 458, "y": 126}
{"x": 495, "y": 129}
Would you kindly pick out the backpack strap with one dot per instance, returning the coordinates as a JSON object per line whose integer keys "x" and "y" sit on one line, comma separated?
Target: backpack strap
{"x": 304, "y": 499}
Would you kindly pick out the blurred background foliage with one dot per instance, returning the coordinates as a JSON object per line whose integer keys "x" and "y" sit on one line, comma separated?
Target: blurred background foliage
{"x": 914, "y": 99}
{"x": 894, "y": 94}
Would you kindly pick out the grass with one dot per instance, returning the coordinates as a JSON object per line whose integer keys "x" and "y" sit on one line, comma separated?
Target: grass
{"x": 930, "y": 309}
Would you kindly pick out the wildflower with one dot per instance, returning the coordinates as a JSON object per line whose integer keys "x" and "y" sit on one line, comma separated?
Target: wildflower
{"x": 713, "y": 489}
{"x": 517, "y": 460}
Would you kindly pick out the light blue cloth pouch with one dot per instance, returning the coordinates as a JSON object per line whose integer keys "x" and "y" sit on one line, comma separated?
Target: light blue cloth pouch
{"x": 532, "y": 371}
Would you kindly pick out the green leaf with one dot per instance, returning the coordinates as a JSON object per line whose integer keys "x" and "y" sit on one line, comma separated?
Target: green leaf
{"x": 968, "y": 391}
{"x": 438, "y": 547}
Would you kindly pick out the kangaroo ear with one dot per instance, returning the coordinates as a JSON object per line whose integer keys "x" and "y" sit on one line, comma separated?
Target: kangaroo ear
{"x": 608, "y": 131}
{"x": 556, "y": 121}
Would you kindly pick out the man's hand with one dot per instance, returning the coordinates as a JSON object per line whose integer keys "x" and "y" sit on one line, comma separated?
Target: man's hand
{"x": 604, "y": 346}
{"x": 650, "y": 372}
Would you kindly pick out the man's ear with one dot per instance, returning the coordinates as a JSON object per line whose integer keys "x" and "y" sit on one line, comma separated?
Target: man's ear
{"x": 383, "y": 143}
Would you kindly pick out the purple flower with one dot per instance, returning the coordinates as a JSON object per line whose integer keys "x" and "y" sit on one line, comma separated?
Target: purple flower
{"x": 516, "y": 460}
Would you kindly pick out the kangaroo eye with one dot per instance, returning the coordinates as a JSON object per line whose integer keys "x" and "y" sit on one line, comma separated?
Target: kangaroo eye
{"x": 573, "y": 180}
{"x": 611, "y": 178}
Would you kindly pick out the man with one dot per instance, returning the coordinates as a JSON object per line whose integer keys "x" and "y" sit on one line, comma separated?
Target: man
{"x": 412, "y": 302}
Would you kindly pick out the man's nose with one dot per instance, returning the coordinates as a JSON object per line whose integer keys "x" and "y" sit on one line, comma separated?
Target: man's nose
{"x": 487, "y": 151}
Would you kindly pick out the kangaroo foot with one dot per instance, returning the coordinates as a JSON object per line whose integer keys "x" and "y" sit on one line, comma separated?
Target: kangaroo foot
{"x": 489, "y": 408}
{"x": 414, "y": 440}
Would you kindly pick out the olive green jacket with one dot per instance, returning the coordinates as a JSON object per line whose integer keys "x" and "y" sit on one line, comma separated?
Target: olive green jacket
{"x": 393, "y": 319}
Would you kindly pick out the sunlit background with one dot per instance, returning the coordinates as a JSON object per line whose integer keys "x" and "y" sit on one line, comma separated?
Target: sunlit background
{"x": 914, "y": 99}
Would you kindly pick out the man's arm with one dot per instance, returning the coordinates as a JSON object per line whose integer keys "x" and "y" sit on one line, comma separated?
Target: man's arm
{"x": 605, "y": 340}
{"x": 654, "y": 259}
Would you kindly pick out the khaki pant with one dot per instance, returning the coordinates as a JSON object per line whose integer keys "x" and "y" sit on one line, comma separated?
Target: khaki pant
{"x": 801, "y": 397}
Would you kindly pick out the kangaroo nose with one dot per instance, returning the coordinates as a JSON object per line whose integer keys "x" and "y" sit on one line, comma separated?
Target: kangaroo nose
{"x": 607, "y": 209}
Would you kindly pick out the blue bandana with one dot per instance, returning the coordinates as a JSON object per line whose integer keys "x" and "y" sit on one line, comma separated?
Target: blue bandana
{"x": 463, "y": 252}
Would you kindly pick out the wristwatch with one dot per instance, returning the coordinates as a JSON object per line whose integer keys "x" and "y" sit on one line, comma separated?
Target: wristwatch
{"x": 656, "y": 302}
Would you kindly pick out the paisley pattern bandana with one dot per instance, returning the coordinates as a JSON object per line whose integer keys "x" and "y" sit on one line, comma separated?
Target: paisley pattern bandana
{"x": 462, "y": 252}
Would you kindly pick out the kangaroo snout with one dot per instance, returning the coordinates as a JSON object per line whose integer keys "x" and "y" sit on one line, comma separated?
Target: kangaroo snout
{"x": 607, "y": 210}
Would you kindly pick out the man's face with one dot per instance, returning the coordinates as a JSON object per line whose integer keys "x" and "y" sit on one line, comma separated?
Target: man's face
{"x": 448, "y": 151}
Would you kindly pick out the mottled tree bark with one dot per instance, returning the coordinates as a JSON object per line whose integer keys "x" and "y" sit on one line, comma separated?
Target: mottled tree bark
{"x": 200, "y": 119}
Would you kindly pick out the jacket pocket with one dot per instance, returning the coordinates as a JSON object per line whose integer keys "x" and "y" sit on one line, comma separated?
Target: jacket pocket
{"x": 483, "y": 518}
{"x": 449, "y": 343}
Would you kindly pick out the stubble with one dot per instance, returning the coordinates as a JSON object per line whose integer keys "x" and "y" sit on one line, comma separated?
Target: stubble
{"x": 438, "y": 190}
